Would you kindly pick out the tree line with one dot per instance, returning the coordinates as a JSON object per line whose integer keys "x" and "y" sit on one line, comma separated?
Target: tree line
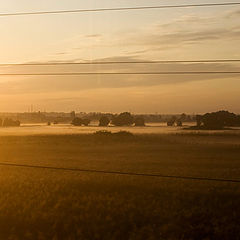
{"x": 214, "y": 120}
{"x": 122, "y": 119}
{"x": 8, "y": 122}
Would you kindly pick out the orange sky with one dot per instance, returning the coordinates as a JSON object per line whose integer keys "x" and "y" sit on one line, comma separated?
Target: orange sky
{"x": 179, "y": 34}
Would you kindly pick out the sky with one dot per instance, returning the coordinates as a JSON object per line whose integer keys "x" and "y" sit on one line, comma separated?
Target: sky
{"x": 169, "y": 34}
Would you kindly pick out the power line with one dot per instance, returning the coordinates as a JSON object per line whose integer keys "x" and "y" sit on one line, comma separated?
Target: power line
{"x": 120, "y": 173}
{"x": 117, "y": 73}
{"x": 121, "y": 62}
{"x": 119, "y": 9}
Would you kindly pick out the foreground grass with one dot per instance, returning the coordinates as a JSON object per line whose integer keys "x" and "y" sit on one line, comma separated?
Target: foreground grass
{"x": 47, "y": 204}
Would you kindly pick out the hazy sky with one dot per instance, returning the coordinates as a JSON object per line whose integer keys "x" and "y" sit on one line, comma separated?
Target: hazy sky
{"x": 169, "y": 34}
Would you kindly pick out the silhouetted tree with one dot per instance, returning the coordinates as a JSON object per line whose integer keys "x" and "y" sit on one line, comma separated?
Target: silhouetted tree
{"x": 171, "y": 122}
{"x": 212, "y": 121}
{"x": 86, "y": 122}
{"x": 77, "y": 121}
{"x": 199, "y": 120}
{"x": 179, "y": 123}
{"x": 123, "y": 119}
{"x": 217, "y": 120}
{"x": 183, "y": 117}
{"x": 72, "y": 114}
{"x": 7, "y": 122}
{"x": 104, "y": 121}
{"x": 139, "y": 122}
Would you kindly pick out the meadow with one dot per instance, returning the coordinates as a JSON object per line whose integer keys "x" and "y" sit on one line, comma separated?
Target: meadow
{"x": 57, "y": 204}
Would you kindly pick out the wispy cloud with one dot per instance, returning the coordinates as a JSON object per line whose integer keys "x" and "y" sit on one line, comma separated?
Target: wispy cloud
{"x": 93, "y": 36}
{"x": 183, "y": 32}
{"x": 78, "y": 83}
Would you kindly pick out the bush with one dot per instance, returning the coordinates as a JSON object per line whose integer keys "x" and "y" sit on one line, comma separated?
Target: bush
{"x": 8, "y": 122}
{"x": 77, "y": 121}
{"x": 171, "y": 123}
{"x": 86, "y": 122}
{"x": 179, "y": 123}
{"x": 139, "y": 122}
{"x": 109, "y": 133}
{"x": 123, "y": 134}
{"x": 103, "y": 133}
{"x": 123, "y": 119}
{"x": 104, "y": 121}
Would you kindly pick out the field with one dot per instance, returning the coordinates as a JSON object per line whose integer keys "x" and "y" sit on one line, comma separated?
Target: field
{"x": 66, "y": 129}
{"x": 58, "y": 204}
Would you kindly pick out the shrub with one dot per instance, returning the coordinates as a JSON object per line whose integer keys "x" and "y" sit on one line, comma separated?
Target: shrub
{"x": 123, "y": 134}
{"x": 8, "y": 122}
{"x": 77, "y": 121}
{"x": 123, "y": 119}
{"x": 179, "y": 123}
{"x": 139, "y": 122}
{"x": 170, "y": 122}
{"x": 109, "y": 133}
{"x": 104, "y": 121}
{"x": 103, "y": 133}
{"x": 86, "y": 122}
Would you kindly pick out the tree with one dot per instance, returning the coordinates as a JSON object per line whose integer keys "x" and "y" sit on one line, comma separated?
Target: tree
{"x": 179, "y": 123}
{"x": 72, "y": 114}
{"x": 104, "y": 121}
{"x": 199, "y": 120}
{"x": 171, "y": 121}
{"x": 123, "y": 119}
{"x": 183, "y": 117}
{"x": 217, "y": 120}
{"x": 77, "y": 121}
{"x": 86, "y": 122}
{"x": 139, "y": 122}
{"x": 8, "y": 122}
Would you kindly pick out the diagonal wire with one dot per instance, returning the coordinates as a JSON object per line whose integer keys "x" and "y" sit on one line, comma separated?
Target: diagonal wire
{"x": 121, "y": 62}
{"x": 119, "y": 9}
{"x": 119, "y": 73}
{"x": 120, "y": 173}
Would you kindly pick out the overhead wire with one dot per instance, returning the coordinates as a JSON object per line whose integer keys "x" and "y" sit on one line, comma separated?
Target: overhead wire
{"x": 119, "y": 9}
{"x": 156, "y": 175}
{"x": 119, "y": 73}
{"x": 120, "y": 62}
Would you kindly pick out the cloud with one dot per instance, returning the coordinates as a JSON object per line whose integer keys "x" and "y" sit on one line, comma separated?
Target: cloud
{"x": 93, "y": 36}
{"x": 54, "y": 84}
{"x": 233, "y": 14}
{"x": 187, "y": 30}
{"x": 61, "y": 53}
{"x": 158, "y": 38}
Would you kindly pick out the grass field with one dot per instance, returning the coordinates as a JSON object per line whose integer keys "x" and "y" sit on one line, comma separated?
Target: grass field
{"x": 55, "y": 204}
